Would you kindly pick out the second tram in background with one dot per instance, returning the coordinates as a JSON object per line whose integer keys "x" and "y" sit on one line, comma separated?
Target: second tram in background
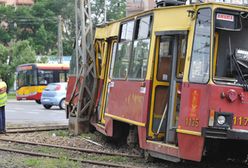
{"x": 174, "y": 80}
{"x": 31, "y": 79}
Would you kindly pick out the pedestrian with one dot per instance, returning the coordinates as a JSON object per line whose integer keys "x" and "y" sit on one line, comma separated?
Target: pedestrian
{"x": 3, "y": 101}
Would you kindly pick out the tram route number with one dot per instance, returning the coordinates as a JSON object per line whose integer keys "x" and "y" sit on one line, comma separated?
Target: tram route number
{"x": 192, "y": 121}
{"x": 240, "y": 121}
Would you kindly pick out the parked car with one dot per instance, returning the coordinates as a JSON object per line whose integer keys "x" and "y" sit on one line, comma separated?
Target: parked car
{"x": 54, "y": 95}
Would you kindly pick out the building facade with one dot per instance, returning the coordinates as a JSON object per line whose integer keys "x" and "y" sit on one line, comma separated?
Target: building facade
{"x": 17, "y": 2}
{"x": 135, "y": 6}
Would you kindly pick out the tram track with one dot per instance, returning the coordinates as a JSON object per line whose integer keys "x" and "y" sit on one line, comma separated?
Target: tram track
{"x": 12, "y": 130}
{"x": 38, "y": 154}
{"x": 81, "y": 150}
{"x": 70, "y": 148}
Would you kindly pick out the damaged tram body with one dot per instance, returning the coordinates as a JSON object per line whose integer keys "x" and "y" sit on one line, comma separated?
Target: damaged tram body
{"x": 174, "y": 80}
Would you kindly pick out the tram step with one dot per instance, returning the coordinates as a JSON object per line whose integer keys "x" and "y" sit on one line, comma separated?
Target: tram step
{"x": 214, "y": 133}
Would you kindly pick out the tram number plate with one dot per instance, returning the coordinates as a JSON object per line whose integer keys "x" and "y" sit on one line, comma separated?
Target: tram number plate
{"x": 192, "y": 121}
{"x": 240, "y": 121}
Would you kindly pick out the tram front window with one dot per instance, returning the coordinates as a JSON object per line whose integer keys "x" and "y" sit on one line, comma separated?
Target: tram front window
{"x": 26, "y": 78}
{"x": 230, "y": 47}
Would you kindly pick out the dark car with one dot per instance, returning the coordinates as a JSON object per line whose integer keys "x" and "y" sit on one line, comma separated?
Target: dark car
{"x": 54, "y": 95}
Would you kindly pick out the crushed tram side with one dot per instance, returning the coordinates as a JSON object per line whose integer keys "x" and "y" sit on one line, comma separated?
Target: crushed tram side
{"x": 173, "y": 80}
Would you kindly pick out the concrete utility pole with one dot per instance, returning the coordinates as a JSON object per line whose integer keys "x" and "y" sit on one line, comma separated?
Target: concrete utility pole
{"x": 86, "y": 82}
{"x": 105, "y": 11}
{"x": 60, "y": 42}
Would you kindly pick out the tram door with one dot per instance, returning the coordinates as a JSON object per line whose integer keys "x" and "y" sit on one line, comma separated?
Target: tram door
{"x": 168, "y": 74}
{"x": 103, "y": 70}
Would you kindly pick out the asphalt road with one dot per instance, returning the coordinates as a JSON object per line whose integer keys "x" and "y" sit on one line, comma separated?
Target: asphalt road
{"x": 31, "y": 113}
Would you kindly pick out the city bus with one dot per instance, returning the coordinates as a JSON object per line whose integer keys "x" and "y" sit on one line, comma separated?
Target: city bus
{"x": 31, "y": 79}
{"x": 174, "y": 81}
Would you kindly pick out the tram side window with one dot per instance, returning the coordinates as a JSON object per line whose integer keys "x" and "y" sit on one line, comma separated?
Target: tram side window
{"x": 99, "y": 46}
{"x": 113, "y": 59}
{"x": 122, "y": 58}
{"x": 199, "y": 69}
{"x": 73, "y": 66}
{"x": 181, "y": 56}
{"x": 138, "y": 65}
{"x": 165, "y": 58}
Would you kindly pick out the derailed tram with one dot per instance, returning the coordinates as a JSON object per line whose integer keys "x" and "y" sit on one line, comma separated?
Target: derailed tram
{"x": 174, "y": 80}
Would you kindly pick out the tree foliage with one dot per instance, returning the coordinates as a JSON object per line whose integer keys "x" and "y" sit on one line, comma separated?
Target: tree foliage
{"x": 22, "y": 53}
{"x": 28, "y": 31}
{"x": 116, "y": 9}
{"x": 39, "y": 23}
{"x": 4, "y": 62}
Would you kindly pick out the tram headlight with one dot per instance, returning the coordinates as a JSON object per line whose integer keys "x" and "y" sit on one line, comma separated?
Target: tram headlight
{"x": 221, "y": 120}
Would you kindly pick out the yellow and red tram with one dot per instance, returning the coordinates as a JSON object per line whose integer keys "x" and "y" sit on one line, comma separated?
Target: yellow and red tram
{"x": 177, "y": 76}
{"x": 31, "y": 79}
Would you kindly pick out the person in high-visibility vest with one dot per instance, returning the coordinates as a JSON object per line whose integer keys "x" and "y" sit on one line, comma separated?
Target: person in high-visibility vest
{"x": 3, "y": 101}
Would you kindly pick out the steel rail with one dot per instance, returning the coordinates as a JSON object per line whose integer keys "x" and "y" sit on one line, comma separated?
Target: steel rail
{"x": 40, "y": 126}
{"x": 37, "y": 129}
{"x": 58, "y": 157}
{"x": 71, "y": 148}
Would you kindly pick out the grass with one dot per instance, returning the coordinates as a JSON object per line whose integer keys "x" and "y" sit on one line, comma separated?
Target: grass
{"x": 116, "y": 159}
{"x": 49, "y": 150}
{"x": 11, "y": 96}
{"x": 44, "y": 149}
{"x": 51, "y": 163}
{"x": 63, "y": 162}
{"x": 86, "y": 156}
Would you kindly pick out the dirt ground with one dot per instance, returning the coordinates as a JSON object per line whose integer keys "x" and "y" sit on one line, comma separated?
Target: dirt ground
{"x": 94, "y": 141}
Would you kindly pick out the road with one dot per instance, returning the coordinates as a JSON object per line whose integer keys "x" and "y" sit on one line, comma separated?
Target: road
{"x": 31, "y": 113}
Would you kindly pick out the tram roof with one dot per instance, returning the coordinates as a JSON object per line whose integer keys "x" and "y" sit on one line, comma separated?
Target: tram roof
{"x": 175, "y": 7}
{"x": 111, "y": 29}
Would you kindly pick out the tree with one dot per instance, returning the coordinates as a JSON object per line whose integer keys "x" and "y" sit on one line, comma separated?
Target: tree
{"x": 4, "y": 68}
{"x": 39, "y": 24}
{"x": 116, "y": 9}
{"x": 48, "y": 11}
{"x": 43, "y": 60}
{"x": 20, "y": 53}
{"x": 41, "y": 42}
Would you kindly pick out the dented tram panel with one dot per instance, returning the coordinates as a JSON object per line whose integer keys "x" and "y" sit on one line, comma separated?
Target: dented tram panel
{"x": 164, "y": 71}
